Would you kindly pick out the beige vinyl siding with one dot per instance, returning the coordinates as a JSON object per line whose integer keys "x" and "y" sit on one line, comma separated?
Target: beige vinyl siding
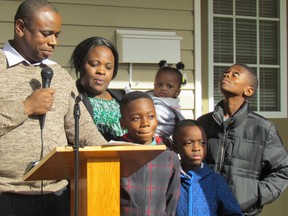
{"x": 85, "y": 18}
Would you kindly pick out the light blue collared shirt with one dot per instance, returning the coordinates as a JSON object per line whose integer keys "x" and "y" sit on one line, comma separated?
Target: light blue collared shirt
{"x": 14, "y": 58}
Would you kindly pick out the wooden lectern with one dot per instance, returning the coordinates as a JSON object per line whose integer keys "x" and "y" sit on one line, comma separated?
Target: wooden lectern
{"x": 100, "y": 168}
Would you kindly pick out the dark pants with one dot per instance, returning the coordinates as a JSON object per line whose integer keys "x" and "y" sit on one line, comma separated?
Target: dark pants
{"x": 55, "y": 204}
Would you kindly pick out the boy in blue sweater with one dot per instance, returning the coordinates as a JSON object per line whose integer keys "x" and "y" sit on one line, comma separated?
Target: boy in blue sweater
{"x": 203, "y": 192}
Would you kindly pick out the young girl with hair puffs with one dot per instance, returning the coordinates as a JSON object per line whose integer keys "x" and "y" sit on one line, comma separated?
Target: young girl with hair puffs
{"x": 167, "y": 87}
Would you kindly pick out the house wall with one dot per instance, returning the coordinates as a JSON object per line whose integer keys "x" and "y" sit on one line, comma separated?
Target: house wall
{"x": 85, "y": 18}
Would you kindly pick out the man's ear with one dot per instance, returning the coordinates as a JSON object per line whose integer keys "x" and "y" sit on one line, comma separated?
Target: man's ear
{"x": 123, "y": 124}
{"x": 249, "y": 91}
{"x": 19, "y": 27}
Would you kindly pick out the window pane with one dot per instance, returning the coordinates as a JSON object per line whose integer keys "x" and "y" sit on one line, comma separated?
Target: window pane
{"x": 223, "y": 7}
{"x": 246, "y": 7}
{"x": 246, "y": 41}
{"x": 268, "y": 8}
{"x": 223, "y": 40}
{"x": 269, "y": 89}
{"x": 269, "y": 40}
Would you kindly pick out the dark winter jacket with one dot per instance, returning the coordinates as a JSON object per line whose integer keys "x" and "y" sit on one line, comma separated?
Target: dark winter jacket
{"x": 206, "y": 193}
{"x": 249, "y": 154}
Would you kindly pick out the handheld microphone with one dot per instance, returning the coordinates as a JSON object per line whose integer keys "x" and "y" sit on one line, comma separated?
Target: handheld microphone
{"x": 46, "y": 74}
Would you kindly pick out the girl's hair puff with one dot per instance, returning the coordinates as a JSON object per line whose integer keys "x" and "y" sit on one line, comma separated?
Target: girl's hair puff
{"x": 163, "y": 66}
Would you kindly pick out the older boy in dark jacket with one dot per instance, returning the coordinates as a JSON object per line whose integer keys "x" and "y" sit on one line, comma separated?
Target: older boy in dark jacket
{"x": 243, "y": 146}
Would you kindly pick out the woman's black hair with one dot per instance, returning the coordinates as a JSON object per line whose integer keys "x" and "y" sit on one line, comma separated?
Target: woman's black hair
{"x": 81, "y": 51}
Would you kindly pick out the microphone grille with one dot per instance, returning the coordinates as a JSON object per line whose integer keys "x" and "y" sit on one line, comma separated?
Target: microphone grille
{"x": 47, "y": 73}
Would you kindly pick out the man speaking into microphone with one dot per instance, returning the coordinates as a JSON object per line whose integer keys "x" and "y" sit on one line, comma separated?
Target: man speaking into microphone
{"x": 37, "y": 25}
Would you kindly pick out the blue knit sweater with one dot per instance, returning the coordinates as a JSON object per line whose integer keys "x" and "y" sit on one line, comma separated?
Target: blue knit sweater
{"x": 205, "y": 193}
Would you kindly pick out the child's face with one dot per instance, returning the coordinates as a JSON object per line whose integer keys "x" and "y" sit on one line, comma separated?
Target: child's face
{"x": 166, "y": 85}
{"x": 139, "y": 118}
{"x": 190, "y": 143}
{"x": 236, "y": 82}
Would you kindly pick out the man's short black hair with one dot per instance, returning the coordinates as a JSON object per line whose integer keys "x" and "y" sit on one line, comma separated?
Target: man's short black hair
{"x": 28, "y": 8}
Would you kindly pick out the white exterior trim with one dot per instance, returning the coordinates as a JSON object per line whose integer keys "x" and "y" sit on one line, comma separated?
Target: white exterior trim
{"x": 198, "y": 60}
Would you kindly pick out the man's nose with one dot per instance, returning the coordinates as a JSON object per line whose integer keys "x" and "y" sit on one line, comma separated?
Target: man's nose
{"x": 53, "y": 40}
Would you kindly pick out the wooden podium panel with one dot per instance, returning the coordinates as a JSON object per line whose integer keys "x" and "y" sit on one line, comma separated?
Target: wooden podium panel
{"x": 100, "y": 169}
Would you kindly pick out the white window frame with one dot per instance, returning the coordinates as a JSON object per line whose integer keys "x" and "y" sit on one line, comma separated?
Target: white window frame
{"x": 283, "y": 62}
{"x": 197, "y": 60}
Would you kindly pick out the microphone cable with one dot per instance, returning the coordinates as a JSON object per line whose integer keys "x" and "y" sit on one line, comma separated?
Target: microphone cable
{"x": 46, "y": 74}
{"x": 41, "y": 157}
{"x": 42, "y": 136}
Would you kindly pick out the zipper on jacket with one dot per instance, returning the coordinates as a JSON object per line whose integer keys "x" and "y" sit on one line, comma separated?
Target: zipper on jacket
{"x": 190, "y": 197}
{"x": 222, "y": 151}
{"x": 219, "y": 167}
{"x": 224, "y": 140}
